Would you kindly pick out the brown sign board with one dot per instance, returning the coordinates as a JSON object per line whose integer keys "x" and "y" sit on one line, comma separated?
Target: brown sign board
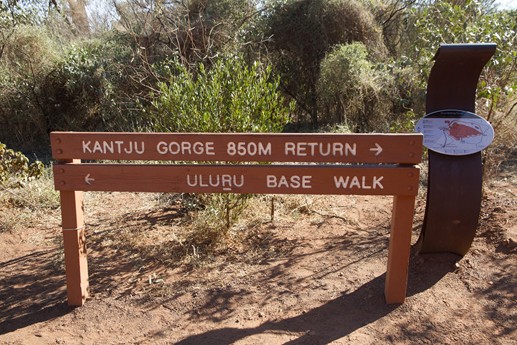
{"x": 252, "y": 179}
{"x": 250, "y": 147}
{"x": 390, "y": 171}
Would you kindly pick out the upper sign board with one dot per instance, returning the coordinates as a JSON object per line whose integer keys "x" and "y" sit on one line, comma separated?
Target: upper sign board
{"x": 338, "y": 148}
{"x": 455, "y": 132}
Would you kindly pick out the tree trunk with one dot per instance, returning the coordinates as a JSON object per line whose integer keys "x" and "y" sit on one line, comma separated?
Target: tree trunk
{"x": 79, "y": 16}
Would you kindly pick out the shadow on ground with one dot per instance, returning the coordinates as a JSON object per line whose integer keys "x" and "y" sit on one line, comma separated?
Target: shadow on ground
{"x": 341, "y": 316}
{"x": 32, "y": 290}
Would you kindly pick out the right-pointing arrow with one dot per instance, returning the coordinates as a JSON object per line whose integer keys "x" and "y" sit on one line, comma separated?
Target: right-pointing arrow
{"x": 377, "y": 149}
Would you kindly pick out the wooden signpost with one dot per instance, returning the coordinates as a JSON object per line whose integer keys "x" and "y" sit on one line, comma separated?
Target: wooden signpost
{"x": 359, "y": 164}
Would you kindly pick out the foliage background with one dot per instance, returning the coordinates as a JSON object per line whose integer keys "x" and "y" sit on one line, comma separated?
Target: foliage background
{"x": 246, "y": 65}
{"x": 359, "y": 64}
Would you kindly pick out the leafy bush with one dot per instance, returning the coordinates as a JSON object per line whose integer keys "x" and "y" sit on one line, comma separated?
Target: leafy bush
{"x": 352, "y": 91}
{"x": 90, "y": 87}
{"x": 31, "y": 204}
{"x": 15, "y": 168}
{"x": 97, "y": 86}
{"x": 230, "y": 96}
{"x": 29, "y": 54}
{"x": 473, "y": 22}
{"x": 302, "y": 32}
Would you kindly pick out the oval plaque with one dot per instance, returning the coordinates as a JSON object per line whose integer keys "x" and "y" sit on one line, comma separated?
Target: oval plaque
{"x": 455, "y": 132}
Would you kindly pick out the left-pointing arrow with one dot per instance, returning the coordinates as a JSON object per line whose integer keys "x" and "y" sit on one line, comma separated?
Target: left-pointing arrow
{"x": 88, "y": 179}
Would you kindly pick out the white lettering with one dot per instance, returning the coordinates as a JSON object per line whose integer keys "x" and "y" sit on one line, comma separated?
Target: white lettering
{"x": 129, "y": 149}
{"x": 142, "y": 148}
{"x": 201, "y": 183}
{"x": 312, "y": 147}
{"x": 161, "y": 147}
{"x": 315, "y": 149}
{"x": 209, "y": 148}
{"x": 86, "y": 147}
{"x": 358, "y": 182}
{"x": 225, "y": 182}
{"x": 337, "y": 149}
{"x": 174, "y": 148}
{"x": 271, "y": 181}
{"x": 113, "y": 147}
{"x": 119, "y": 145}
{"x": 306, "y": 182}
{"x": 355, "y": 183}
{"x": 290, "y": 149}
{"x": 97, "y": 148}
{"x": 293, "y": 182}
{"x": 377, "y": 182}
{"x": 364, "y": 185}
{"x": 190, "y": 183}
{"x": 240, "y": 184}
{"x": 212, "y": 183}
{"x": 341, "y": 182}
{"x": 327, "y": 152}
{"x": 350, "y": 150}
{"x": 248, "y": 149}
{"x": 198, "y": 148}
{"x": 108, "y": 146}
{"x": 184, "y": 148}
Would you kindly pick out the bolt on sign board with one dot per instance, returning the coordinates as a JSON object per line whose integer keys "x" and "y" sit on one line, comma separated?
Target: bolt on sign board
{"x": 359, "y": 164}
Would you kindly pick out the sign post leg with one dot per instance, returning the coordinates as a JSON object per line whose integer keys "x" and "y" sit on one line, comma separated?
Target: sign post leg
{"x": 74, "y": 247}
{"x": 399, "y": 249}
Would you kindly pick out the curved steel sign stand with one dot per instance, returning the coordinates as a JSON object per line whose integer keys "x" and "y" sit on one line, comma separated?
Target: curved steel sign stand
{"x": 455, "y": 178}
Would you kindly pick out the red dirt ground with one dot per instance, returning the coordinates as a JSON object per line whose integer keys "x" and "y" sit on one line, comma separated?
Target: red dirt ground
{"x": 313, "y": 276}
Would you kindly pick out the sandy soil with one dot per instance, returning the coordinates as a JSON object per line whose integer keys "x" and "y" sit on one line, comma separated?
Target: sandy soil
{"x": 313, "y": 276}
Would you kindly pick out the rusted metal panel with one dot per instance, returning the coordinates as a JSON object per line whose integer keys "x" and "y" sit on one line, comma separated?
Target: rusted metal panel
{"x": 344, "y": 148}
{"x": 260, "y": 179}
{"x": 455, "y": 182}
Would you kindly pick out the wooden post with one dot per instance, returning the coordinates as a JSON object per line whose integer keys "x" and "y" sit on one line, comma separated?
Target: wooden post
{"x": 76, "y": 263}
{"x": 399, "y": 249}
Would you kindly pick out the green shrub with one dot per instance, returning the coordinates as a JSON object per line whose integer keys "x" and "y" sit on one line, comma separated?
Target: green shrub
{"x": 29, "y": 54}
{"x": 15, "y": 168}
{"x": 227, "y": 97}
{"x": 230, "y": 96}
{"x": 300, "y": 33}
{"x": 352, "y": 91}
{"x": 31, "y": 204}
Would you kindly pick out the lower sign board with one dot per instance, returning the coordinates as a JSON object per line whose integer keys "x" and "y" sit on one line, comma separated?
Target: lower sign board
{"x": 252, "y": 179}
